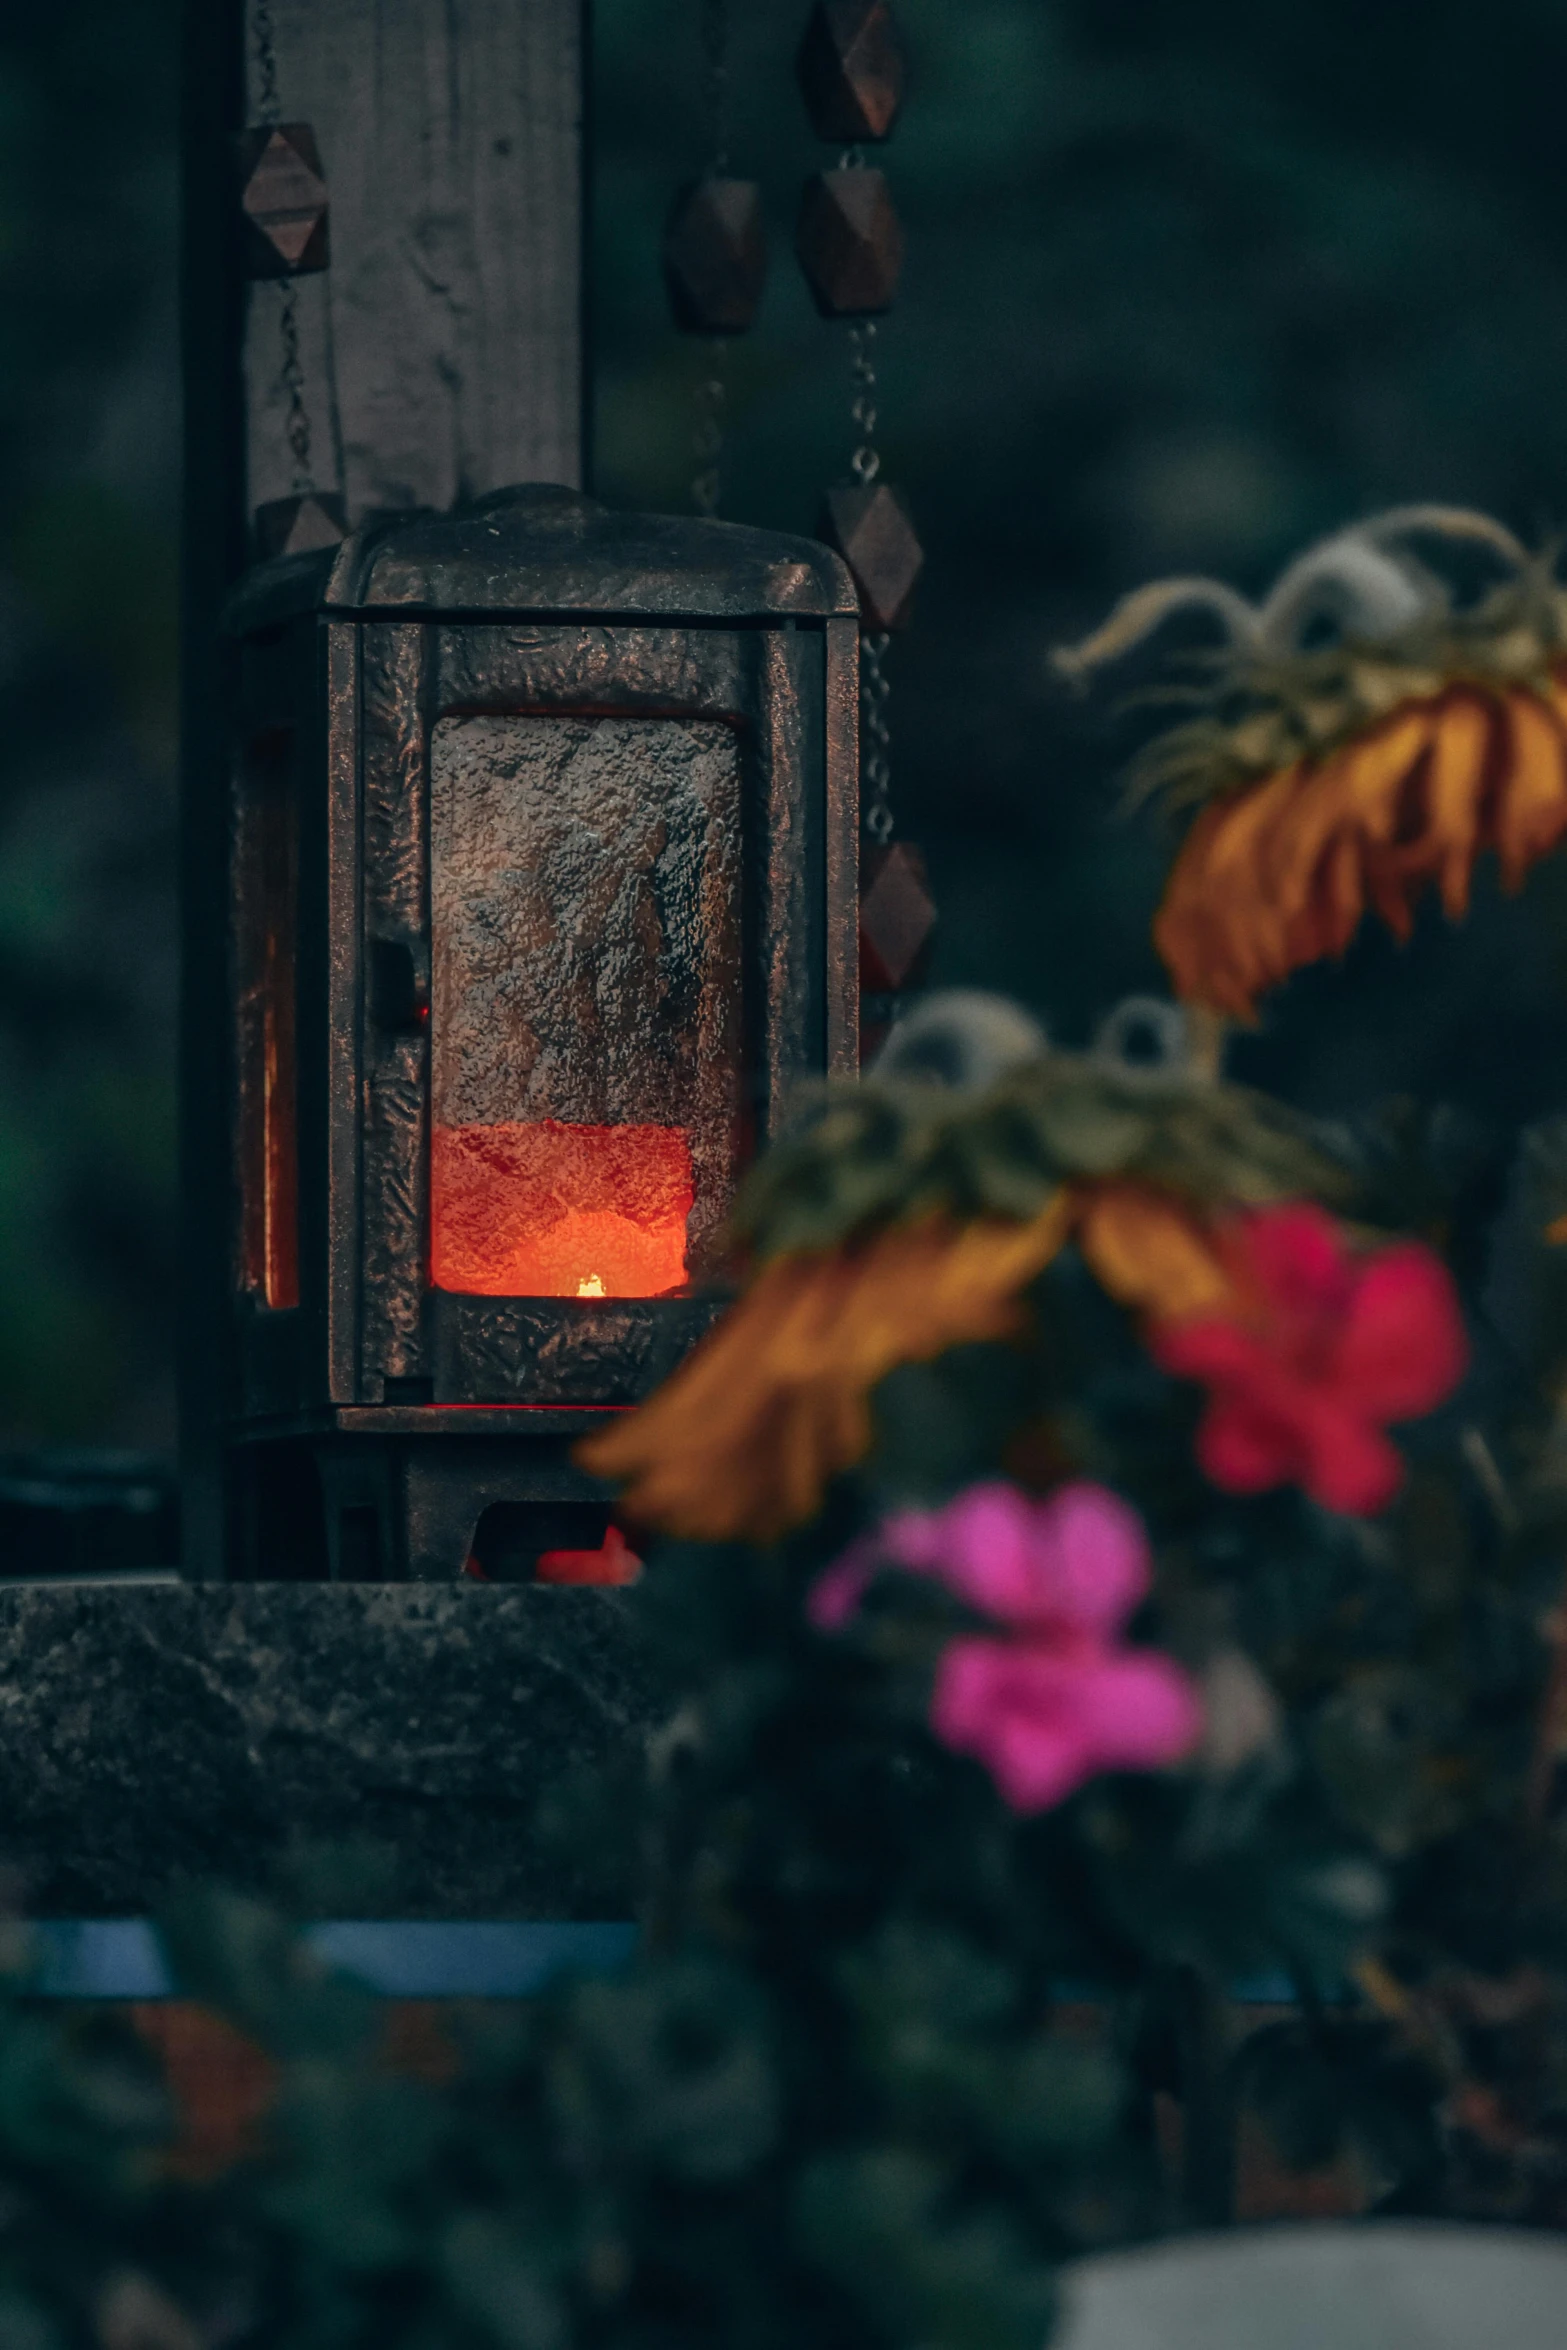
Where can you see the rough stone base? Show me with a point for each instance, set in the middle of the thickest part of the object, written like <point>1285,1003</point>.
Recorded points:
<point>158,1734</point>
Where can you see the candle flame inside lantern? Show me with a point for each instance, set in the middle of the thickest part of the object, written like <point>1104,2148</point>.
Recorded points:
<point>544,1209</point>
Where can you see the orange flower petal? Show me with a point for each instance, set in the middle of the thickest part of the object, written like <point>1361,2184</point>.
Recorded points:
<point>1330,919</point>
<point>1531,814</point>
<point>1150,1252</point>
<point>1455,789</point>
<point>1377,768</point>
<point>744,1438</point>
<point>1261,886</point>
<point>1304,833</point>
<point>1214,929</point>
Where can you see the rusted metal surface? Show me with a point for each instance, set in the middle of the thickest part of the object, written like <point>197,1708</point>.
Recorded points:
<point>545,550</point>
<point>599,669</point>
<point>841,834</point>
<point>559,1351</point>
<point>395,1059</point>
<point>340,1238</point>
<point>789,864</point>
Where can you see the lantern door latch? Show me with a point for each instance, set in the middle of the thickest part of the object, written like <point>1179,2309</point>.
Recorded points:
<point>399,985</point>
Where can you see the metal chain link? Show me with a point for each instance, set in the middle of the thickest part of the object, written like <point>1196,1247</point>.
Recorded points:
<point>875,691</point>
<point>268,110</point>
<point>710,394</point>
<point>707,432</point>
<point>291,372</point>
<point>865,463</point>
<point>876,743</point>
<point>715,51</point>
<point>291,380</point>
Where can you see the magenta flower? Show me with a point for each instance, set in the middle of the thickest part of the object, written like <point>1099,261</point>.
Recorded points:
<point>1323,1349</point>
<point>1059,1701</point>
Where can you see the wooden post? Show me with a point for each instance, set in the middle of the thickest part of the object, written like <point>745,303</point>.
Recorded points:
<point>443,348</point>
<point>442,355</point>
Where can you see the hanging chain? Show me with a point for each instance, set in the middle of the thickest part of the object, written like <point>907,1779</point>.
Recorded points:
<point>875,762</point>
<point>710,395</point>
<point>268,110</point>
<point>875,692</point>
<point>715,52</point>
<point>291,373</point>
<point>865,463</point>
<point>708,403</point>
<point>291,380</point>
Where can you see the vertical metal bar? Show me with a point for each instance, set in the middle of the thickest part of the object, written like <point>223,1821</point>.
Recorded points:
<point>841,818</point>
<point>396,668</point>
<point>342,1009</point>
<point>780,896</point>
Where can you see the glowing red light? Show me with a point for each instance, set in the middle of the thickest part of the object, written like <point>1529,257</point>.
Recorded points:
<point>613,1562</point>
<point>551,1210</point>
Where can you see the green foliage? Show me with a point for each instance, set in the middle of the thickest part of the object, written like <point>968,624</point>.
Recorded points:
<point>875,1153</point>
<point>891,2051</point>
<point>89,445</point>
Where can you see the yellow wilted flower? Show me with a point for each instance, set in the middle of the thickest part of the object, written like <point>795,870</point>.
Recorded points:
<point>1280,873</point>
<point>742,1441</point>
<point>775,1402</point>
<point>1151,1252</point>
<point>1349,772</point>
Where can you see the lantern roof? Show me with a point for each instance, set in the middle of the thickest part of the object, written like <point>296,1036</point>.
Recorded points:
<point>552,553</point>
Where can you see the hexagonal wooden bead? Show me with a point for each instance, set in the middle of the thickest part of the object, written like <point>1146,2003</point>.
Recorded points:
<point>715,256</point>
<point>849,242</point>
<point>283,200</point>
<point>897,917</point>
<point>299,525</point>
<point>871,530</point>
<point>851,70</point>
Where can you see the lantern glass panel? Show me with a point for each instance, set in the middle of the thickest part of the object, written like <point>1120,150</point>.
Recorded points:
<point>267,943</point>
<point>585,877</point>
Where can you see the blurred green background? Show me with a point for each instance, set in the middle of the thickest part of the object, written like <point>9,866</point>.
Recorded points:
<point>89,492</point>
<point>1185,287</point>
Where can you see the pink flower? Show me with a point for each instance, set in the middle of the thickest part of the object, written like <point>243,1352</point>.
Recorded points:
<point>1044,1718</point>
<point>1059,1701</point>
<point>1322,1351</point>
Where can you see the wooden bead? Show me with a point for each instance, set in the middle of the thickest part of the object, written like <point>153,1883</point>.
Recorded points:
<point>283,200</point>
<point>871,530</point>
<point>851,70</point>
<point>897,917</point>
<point>299,525</point>
<point>849,242</point>
<point>715,256</point>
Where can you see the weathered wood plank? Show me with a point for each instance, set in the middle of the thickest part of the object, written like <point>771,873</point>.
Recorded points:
<point>442,350</point>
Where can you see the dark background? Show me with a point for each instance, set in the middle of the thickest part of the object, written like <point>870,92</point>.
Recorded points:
<point>1186,286</point>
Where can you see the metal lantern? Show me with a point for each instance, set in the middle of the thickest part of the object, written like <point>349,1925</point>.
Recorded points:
<point>543,900</point>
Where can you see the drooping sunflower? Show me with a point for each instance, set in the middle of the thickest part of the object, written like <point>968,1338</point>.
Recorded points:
<point>1364,736</point>
<point>909,1219</point>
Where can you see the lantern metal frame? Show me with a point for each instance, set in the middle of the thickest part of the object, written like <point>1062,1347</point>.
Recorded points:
<point>394,1412</point>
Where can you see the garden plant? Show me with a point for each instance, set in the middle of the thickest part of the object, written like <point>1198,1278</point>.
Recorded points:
<point>1109,1568</point>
